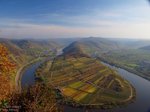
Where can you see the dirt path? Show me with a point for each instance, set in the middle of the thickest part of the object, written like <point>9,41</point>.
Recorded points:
<point>18,78</point>
<point>131,95</point>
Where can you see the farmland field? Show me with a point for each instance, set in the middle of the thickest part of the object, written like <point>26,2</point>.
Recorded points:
<point>86,81</point>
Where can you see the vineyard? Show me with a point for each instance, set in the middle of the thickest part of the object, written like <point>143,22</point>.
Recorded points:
<point>87,82</point>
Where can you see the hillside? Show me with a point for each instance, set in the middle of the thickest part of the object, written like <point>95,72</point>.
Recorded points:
<point>131,43</point>
<point>75,49</point>
<point>93,45</point>
<point>14,55</point>
<point>22,50</point>
<point>145,48</point>
<point>7,70</point>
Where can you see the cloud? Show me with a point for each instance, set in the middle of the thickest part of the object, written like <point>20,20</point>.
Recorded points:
<point>24,30</point>
<point>132,22</point>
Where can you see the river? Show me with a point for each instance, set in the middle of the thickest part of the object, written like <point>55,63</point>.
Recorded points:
<point>28,77</point>
<point>142,86</point>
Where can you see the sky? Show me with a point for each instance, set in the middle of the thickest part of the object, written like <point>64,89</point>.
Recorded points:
<point>74,18</point>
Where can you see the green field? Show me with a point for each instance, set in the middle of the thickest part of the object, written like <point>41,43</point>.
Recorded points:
<point>133,60</point>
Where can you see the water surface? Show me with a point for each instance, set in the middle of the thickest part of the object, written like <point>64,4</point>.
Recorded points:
<point>28,77</point>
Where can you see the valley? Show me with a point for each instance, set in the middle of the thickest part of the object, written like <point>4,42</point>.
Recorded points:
<point>76,74</point>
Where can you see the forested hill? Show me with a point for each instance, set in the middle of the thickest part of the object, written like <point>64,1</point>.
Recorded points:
<point>92,46</point>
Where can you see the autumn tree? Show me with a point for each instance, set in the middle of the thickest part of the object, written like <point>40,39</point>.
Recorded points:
<point>36,98</point>
<point>7,68</point>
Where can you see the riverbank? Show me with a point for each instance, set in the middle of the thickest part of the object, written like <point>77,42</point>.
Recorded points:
<point>125,68</point>
<point>20,72</point>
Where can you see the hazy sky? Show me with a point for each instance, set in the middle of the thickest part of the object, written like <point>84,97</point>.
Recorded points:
<point>74,18</point>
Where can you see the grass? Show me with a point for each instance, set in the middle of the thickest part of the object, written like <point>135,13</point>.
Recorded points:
<point>132,65</point>
<point>76,84</point>
<point>69,91</point>
<point>80,96</point>
<point>89,89</point>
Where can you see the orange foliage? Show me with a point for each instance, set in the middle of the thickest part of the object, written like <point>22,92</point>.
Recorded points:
<point>6,69</point>
<point>37,98</point>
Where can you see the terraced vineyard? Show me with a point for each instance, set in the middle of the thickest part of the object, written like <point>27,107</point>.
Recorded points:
<point>85,81</point>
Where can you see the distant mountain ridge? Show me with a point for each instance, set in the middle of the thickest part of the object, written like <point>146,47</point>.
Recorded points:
<point>90,46</point>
